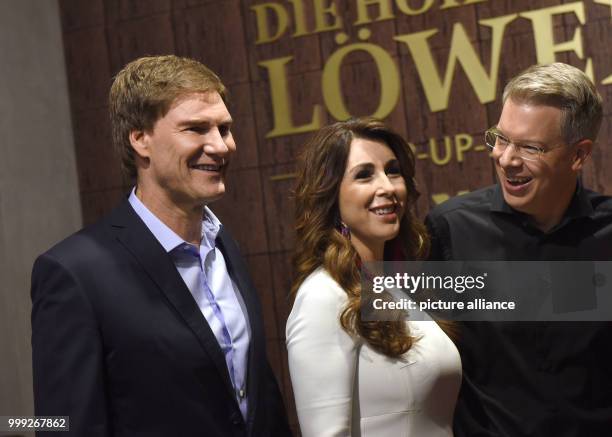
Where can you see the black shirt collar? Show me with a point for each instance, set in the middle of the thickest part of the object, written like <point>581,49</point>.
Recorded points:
<point>498,204</point>
<point>580,206</point>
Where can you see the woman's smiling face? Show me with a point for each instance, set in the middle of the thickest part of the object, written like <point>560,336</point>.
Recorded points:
<point>372,197</point>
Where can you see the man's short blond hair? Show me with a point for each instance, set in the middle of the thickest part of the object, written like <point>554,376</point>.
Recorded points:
<point>144,91</point>
<point>565,87</point>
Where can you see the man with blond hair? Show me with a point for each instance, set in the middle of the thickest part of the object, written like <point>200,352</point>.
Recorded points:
<point>536,379</point>
<point>147,322</point>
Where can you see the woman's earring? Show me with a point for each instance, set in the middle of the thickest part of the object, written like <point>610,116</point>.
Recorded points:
<point>345,230</point>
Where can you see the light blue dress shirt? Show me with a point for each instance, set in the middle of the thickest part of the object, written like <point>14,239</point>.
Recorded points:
<point>204,271</point>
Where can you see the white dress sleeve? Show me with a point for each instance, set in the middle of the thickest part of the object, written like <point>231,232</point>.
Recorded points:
<point>322,358</point>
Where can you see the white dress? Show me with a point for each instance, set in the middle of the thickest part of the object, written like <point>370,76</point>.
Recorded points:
<point>343,387</point>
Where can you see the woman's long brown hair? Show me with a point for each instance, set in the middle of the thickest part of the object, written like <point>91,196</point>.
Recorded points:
<point>319,241</point>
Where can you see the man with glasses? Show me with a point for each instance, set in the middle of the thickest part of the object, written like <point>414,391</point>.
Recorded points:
<point>534,378</point>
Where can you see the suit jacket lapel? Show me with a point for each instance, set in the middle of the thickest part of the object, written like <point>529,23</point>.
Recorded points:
<point>133,234</point>
<point>239,273</point>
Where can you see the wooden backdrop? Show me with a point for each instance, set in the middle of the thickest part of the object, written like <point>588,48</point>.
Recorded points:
<point>100,36</point>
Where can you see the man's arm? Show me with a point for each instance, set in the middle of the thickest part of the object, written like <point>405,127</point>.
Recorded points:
<point>67,352</point>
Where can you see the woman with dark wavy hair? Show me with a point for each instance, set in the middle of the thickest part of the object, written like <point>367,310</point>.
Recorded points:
<point>353,377</point>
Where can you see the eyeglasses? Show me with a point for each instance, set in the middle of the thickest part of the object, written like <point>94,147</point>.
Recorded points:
<point>497,141</point>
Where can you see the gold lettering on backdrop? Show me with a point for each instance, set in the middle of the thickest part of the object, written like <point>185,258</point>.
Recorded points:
<point>384,11</point>
<point>454,3</point>
<point>281,104</point>
<point>433,150</point>
<point>405,8</point>
<point>262,15</point>
<point>437,91</point>
<point>463,143</point>
<point>283,177</point>
<point>542,22</point>
<point>607,80</point>
<point>322,12</point>
<point>605,2</point>
<point>300,18</point>
<point>273,20</point>
<point>387,73</point>
<point>443,197</point>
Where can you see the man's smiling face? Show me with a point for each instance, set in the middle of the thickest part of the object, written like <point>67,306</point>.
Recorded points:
<point>188,150</point>
<point>534,187</point>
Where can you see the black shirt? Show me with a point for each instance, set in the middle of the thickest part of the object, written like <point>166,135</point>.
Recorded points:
<point>538,378</point>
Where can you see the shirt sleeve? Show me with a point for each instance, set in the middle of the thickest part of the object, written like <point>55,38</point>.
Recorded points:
<point>322,359</point>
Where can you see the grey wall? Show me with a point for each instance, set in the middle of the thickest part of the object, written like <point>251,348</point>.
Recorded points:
<point>39,201</point>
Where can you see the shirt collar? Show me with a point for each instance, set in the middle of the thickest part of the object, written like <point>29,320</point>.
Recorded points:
<point>166,236</point>
<point>579,206</point>
<point>498,204</point>
<point>211,226</point>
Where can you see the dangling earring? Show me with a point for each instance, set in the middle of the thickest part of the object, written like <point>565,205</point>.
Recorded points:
<point>344,230</point>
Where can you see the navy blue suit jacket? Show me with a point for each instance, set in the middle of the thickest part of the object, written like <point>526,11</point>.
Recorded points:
<point>120,345</point>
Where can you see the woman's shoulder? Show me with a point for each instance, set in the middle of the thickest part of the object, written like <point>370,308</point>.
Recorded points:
<point>315,314</point>
<point>320,286</point>
<point>319,297</point>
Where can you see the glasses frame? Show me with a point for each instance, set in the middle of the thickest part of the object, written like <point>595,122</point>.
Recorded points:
<point>520,148</point>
